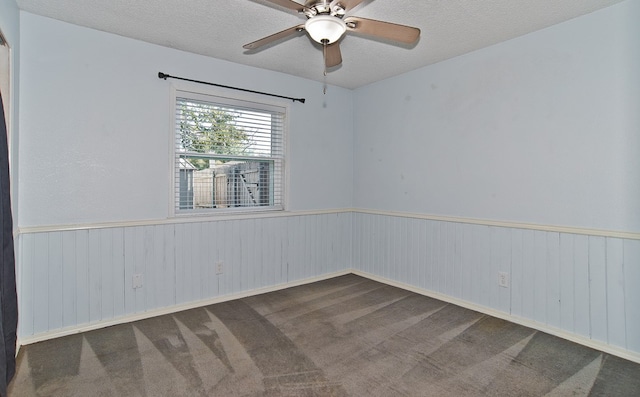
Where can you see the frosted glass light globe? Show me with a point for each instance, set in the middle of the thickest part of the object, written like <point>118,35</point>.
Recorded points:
<point>325,29</point>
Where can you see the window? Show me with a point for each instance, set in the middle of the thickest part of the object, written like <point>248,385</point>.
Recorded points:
<point>229,155</point>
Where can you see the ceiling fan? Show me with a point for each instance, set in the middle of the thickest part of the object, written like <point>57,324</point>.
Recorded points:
<point>326,24</point>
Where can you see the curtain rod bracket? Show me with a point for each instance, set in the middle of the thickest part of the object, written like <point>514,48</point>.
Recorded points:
<point>164,76</point>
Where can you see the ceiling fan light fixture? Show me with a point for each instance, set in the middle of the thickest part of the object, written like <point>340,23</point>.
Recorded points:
<point>325,29</point>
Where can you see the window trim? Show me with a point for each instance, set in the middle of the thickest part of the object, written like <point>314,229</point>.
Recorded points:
<point>179,88</point>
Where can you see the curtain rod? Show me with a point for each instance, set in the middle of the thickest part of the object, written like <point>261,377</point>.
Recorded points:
<point>165,76</point>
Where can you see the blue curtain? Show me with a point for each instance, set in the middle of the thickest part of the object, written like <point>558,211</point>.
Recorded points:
<point>8,296</point>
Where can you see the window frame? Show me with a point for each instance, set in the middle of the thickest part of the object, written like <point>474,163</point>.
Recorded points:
<point>224,96</point>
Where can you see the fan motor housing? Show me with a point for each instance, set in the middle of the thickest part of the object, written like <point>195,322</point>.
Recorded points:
<point>314,7</point>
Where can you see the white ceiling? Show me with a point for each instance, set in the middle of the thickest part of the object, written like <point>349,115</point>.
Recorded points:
<point>220,28</point>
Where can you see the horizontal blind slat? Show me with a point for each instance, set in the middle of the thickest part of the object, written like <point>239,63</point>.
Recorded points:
<point>227,156</point>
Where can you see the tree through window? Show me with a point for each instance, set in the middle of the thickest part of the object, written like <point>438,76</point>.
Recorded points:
<point>228,154</point>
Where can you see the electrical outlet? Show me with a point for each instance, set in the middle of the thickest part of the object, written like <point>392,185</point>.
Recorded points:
<point>503,279</point>
<point>219,267</point>
<point>137,281</point>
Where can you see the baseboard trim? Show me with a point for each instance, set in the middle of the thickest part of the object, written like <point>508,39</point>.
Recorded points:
<point>171,309</point>
<point>631,356</point>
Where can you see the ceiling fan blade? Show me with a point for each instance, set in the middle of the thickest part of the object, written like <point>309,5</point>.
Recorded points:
<point>385,30</point>
<point>346,4</point>
<point>274,37</point>
<point>290,4</point>
<point>332,55</point>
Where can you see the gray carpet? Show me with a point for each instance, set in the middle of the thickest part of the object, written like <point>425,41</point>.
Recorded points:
<point>347,336</point>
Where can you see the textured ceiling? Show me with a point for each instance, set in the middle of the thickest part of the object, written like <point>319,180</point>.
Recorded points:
<point>220,28</point>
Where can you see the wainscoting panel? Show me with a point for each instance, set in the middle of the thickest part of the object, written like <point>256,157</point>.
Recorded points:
<point>574,283</point>
<point>631,269</point>
<point>579,284</point>
<point>74,278</point>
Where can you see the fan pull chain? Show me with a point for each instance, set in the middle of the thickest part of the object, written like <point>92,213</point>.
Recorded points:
<point>324,54</point>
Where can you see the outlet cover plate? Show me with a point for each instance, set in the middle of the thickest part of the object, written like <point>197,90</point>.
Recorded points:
<point>503,279</point>
<point>137,281</point>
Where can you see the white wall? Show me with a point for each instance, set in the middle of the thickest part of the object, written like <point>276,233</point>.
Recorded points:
<point>540,129</point>
<point>9,20</point>
<point>94,148</point>
<point>455,161</point>
<point>95,125</point>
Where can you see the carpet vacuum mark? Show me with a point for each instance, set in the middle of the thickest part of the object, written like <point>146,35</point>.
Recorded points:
<point>346,336</point>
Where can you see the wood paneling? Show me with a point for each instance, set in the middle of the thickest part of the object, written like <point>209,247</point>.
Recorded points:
<point>586,285</point>
<point>78,277</point>
<point>631,267</point>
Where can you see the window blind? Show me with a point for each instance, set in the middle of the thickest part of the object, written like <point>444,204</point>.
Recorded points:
<point>229,155</point>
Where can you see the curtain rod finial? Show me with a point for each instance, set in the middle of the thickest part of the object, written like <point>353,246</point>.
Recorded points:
<point>162,75</point>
